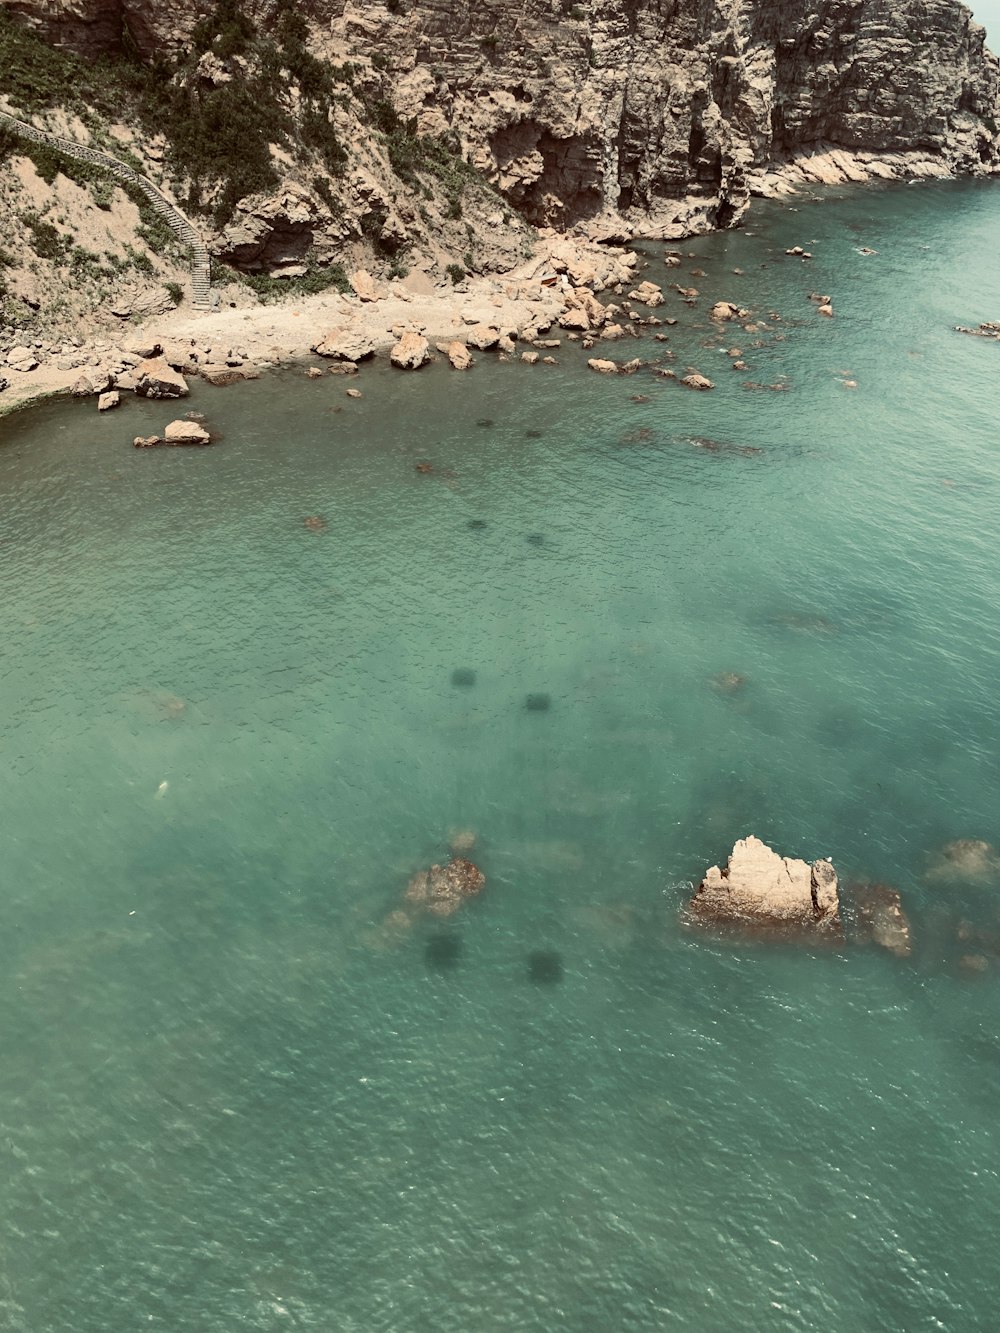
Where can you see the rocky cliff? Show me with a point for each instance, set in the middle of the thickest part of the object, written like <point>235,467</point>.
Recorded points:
<point>667,113</point>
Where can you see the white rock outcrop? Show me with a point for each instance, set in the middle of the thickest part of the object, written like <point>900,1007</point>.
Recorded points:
<point>760,888</point>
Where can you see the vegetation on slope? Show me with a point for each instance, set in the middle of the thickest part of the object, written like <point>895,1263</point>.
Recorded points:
<point>219,131</point>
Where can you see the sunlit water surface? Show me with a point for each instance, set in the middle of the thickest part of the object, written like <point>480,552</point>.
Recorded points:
<point>233,1097</point>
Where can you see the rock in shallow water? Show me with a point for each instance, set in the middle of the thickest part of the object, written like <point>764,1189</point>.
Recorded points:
<point>759,888</point>
<point>443,889</point>
<point>882,919</point>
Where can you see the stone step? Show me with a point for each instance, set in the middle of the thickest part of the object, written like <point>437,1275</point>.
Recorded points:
<point>175,219</point>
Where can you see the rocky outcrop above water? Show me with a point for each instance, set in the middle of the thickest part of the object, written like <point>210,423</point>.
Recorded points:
<point>666,115</point>
<point>760,889</point>
<point>441,890</point>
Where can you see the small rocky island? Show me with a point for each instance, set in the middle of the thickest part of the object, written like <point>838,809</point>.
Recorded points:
<point>759,889</point>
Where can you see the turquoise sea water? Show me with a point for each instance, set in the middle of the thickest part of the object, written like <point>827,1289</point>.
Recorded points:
<point>233,1097</point>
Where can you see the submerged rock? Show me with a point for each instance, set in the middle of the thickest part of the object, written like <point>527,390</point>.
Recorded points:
<point>965,859</point>
<point>759,888</point>
<point>881,918</point>
<point>443,889</point>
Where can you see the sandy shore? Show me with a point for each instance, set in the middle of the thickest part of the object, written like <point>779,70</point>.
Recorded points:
<point>263,335</point>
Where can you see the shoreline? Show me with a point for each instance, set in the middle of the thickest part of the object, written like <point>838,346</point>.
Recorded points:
<point>242,341</point>
<point>247,339</point>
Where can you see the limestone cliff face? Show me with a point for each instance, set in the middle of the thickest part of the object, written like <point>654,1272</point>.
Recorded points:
<point>667,112</point>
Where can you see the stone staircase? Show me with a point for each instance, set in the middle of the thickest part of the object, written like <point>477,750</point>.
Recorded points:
<point>179,224</point>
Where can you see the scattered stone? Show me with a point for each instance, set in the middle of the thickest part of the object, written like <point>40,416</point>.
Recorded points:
<point>107,401</point>
<point>315,523</point>
<point>696,381</point>
<point>739,365</point>
<point>989,329</point>
<point>354,393</point>
<point>602,367</point>
<point>574,319</point>
<point>22,359</point>
<point>549,361</point>
<point>826,309</point>
<point>220,376</point>
<point>154,378</point>
<point>724,310</point>
<point>147,441</point>
<point>314,373</point>
<point>647,294</point>
<point>760,888</point>
<point>530,358</point>
<point>630,367</point>
<point>343,368</point>
<point>482,336</point>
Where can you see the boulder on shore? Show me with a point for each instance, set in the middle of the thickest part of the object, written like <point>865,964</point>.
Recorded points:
<point>155,379</point>
<point>457,353</point>
<point>345,345</point>
<point>759,888</point>
<point>364,285</point>
<point>411,352</point>
<point>108,400</point>
<point>443,889</point>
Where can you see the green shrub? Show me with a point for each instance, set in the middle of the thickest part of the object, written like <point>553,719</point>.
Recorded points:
<point>456,272</point>
<point>270,289</point>
<point>175,291</point>
<point>46,241</point>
